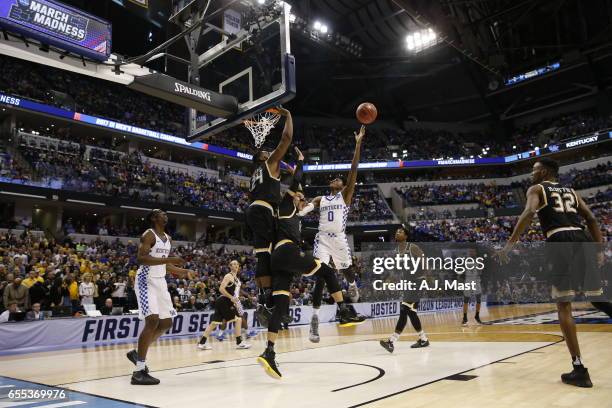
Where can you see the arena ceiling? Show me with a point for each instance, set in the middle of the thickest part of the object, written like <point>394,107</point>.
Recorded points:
<point>460,79</point>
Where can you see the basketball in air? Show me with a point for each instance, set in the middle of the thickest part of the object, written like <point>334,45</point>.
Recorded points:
<point>366,113</point>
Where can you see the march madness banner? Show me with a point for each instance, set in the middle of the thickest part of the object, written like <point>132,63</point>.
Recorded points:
<point>54,23</point>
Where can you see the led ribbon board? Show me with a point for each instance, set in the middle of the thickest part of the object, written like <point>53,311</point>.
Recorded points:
<point>54,23</point>
<point>25,104</point>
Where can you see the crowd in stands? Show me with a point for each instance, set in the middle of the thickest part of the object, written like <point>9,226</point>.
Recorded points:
<point>70,274</point>
<point>496,229</point>
<point>597,176</point>
<point>599,197</point>
<point>338,144</point>
<point>481,229</point>
<point>10,169</point>
<point>556,128</point>
<point>488,196</point>
<point>497,196</point>
<point>89,95</point>
<point>131,176</point>
<point>72,91</point>
<point>42,274</point>
<point>508,291</point>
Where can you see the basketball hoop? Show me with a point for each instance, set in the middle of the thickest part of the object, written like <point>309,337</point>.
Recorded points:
<point>261,124</point>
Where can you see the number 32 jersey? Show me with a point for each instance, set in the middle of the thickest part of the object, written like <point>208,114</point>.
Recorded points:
<point>333,214</point>
<point>560,208</point>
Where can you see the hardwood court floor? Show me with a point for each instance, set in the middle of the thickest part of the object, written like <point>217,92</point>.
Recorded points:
<point>505,365</point>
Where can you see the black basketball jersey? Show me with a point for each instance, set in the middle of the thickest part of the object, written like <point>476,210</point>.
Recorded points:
<point>560,208</point>
<point>230,287</point>
<point>265,187</point>
<point>289,224</point>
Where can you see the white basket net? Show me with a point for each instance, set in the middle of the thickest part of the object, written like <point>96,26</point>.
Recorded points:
<point>261,124</point>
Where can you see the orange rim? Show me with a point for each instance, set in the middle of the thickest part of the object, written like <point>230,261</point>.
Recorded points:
<point>271,110</point>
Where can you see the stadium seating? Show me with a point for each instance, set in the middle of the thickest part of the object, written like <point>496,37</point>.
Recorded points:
<point>68,90</point>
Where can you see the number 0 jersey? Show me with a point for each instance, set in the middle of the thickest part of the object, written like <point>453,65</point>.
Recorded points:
<point>333,214</point>
<point>264,187</point>
<point>560,209</point>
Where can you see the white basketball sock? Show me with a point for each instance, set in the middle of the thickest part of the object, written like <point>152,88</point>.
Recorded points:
<point>315,312</point>
<point>140,365</point>
<point>394,337</point>
<point>422,335</point>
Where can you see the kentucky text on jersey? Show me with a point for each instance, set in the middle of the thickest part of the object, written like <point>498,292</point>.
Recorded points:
<point>332,207</point>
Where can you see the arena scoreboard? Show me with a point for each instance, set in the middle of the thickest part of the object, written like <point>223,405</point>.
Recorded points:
<point>57,24</point>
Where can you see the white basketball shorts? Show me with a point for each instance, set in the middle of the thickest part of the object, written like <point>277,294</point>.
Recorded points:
<point>335,246</point>
<point>153,296</point>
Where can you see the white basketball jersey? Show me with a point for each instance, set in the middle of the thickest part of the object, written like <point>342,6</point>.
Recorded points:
<point>333,213</point>
<point>160,249</point>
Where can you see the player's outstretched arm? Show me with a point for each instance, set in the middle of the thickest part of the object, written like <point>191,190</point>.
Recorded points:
<point>298,171</point>
<point>534,201</point>
<point>181,272</point>
<point>591,221</point>
<point>283,145</point>
<point>146,243</point>
<point>315,203</point>
<point>349,190</point>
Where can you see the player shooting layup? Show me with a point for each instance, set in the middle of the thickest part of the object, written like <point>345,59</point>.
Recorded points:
<point>288,261</point>
<point>261,214</point>
<point>561,211</point>
<point>154,302</point>
<point>330,241</point>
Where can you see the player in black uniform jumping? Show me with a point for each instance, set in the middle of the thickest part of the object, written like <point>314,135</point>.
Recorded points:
<point>408,307</point>
<point>561,211</point>
<point>261,214</point>
<point>289,261</point>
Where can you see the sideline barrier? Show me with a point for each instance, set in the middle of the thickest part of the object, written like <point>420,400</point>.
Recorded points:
<point>66,333</point>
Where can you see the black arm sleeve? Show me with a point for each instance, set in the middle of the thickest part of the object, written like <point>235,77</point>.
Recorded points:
<point>297,175</point>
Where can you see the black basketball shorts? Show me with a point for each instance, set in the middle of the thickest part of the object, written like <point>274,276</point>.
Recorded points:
<point>261,220</point>
<point>225,309</point>
<point>571,259</point>
<point>289,261</point>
